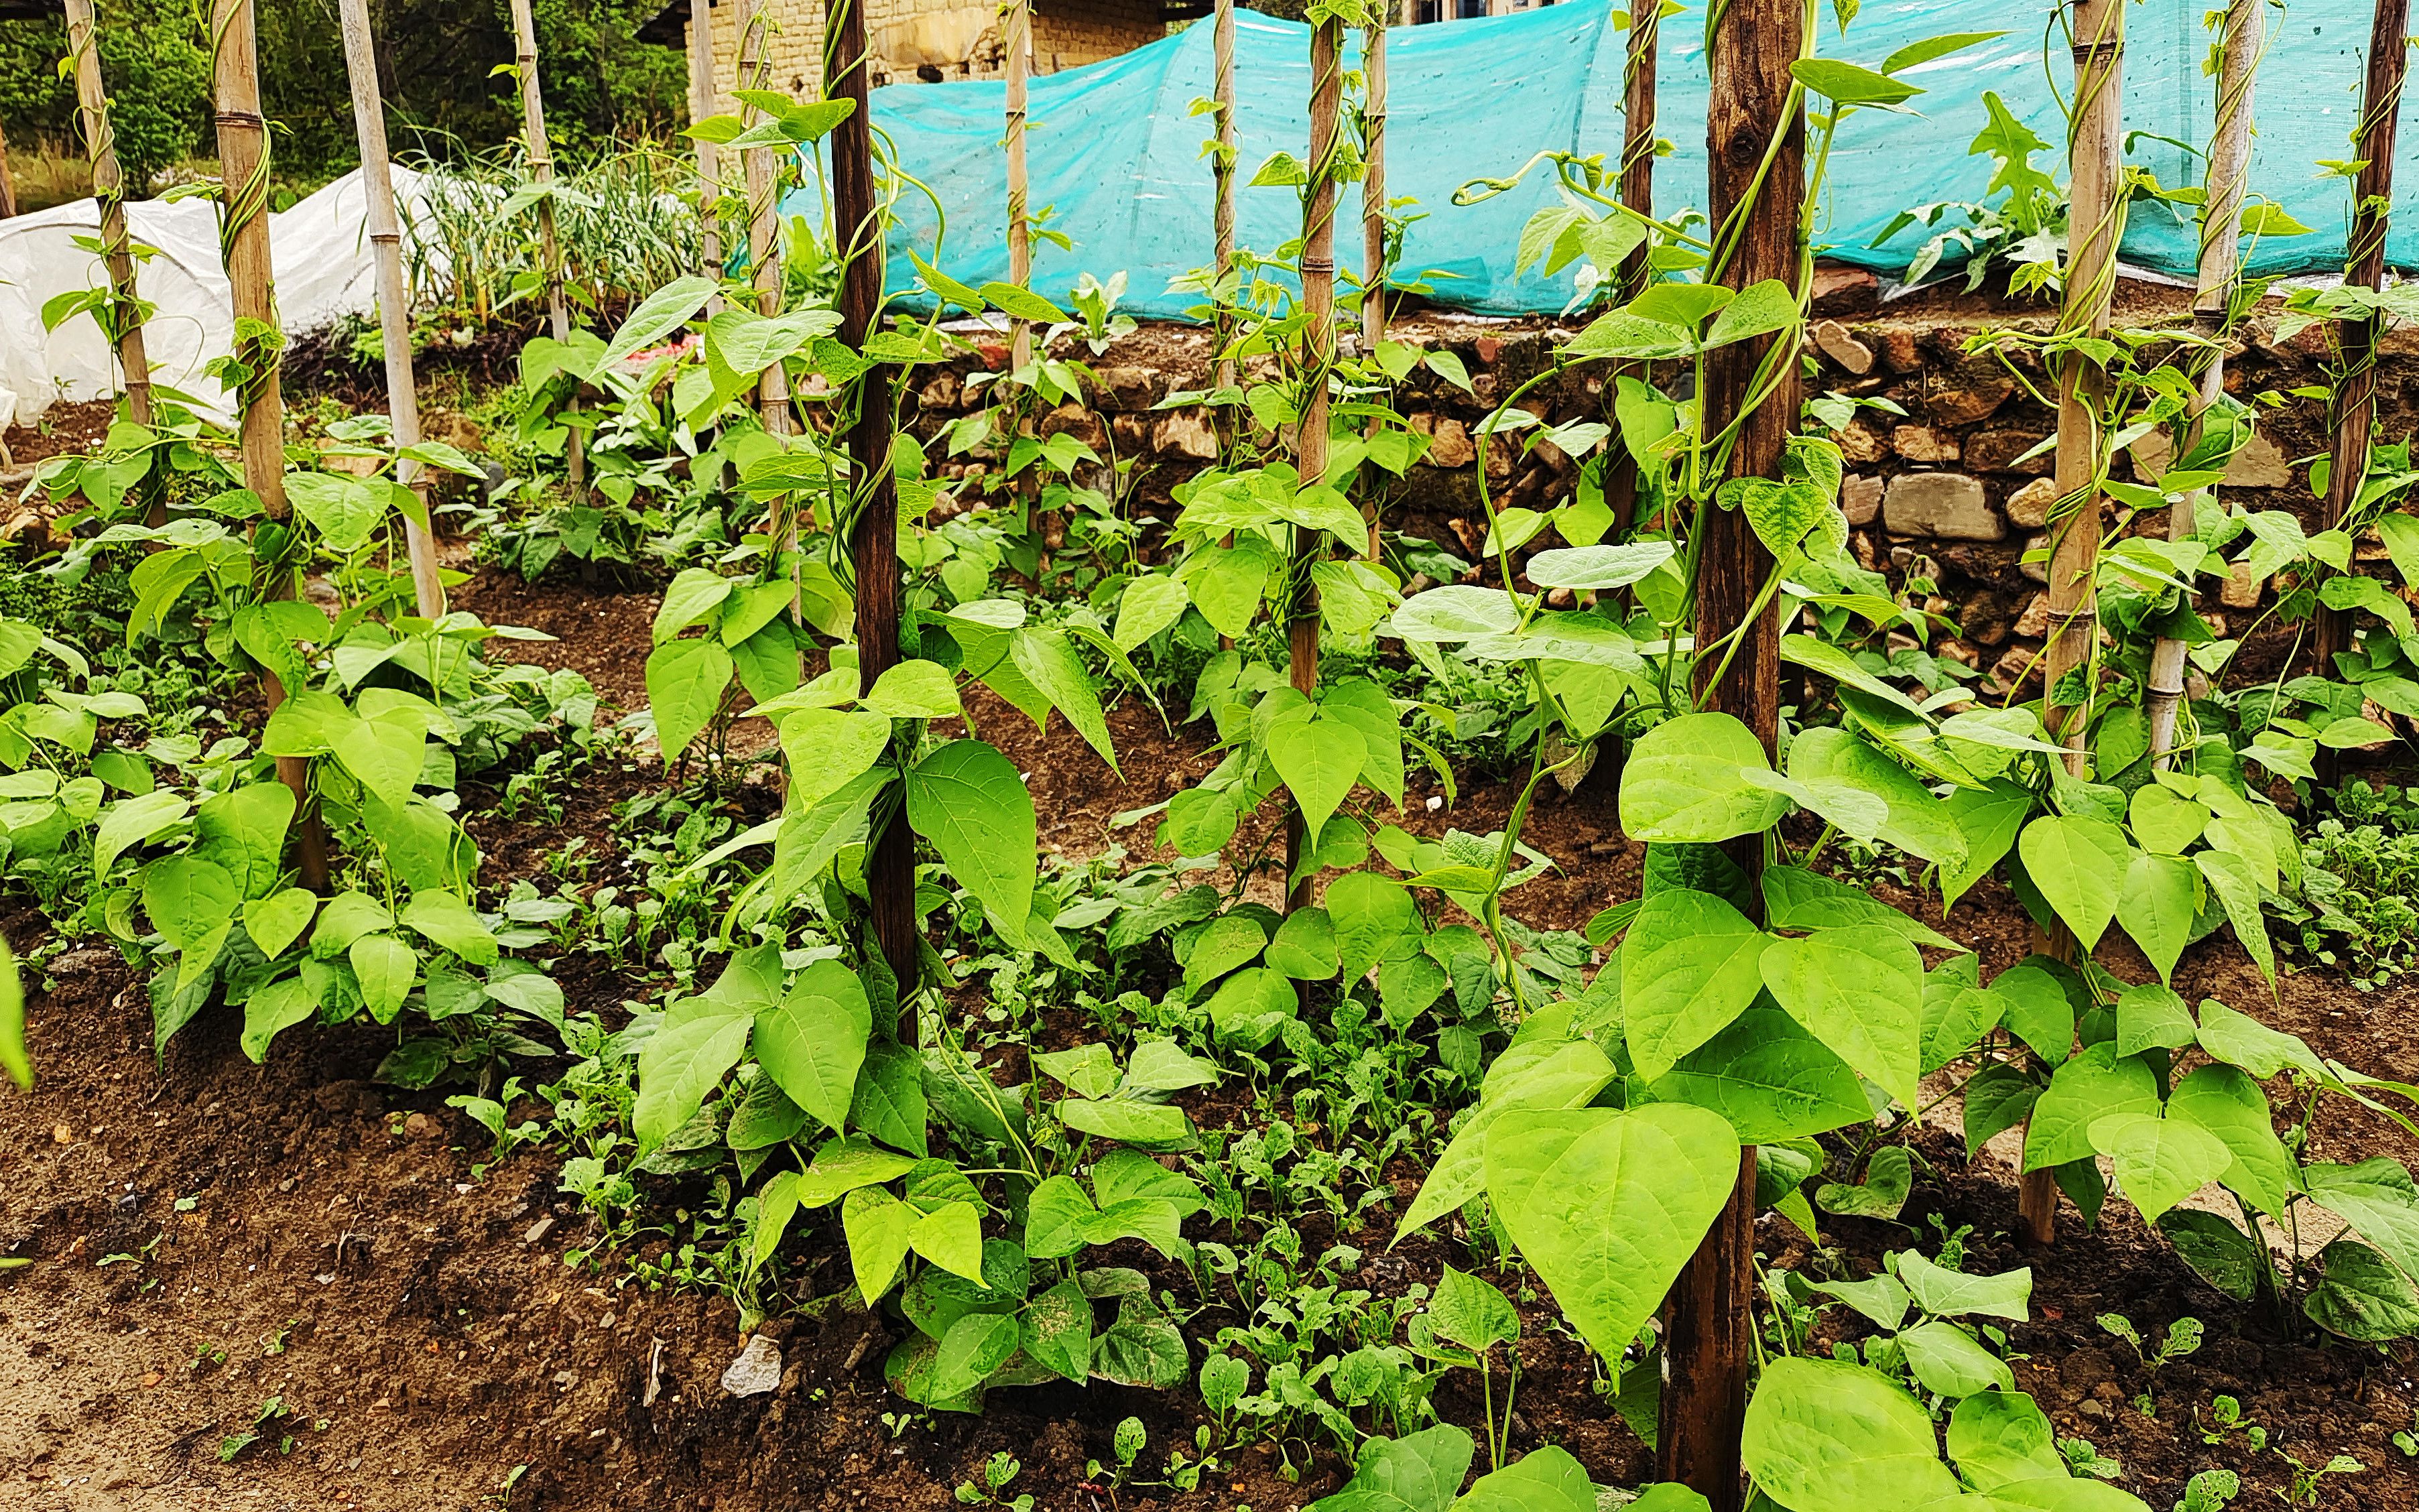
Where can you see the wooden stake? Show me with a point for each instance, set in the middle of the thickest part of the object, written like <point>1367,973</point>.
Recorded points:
<point>541,156</point>
<point>393,304</point>
<point>1373,219</point>
<point>8,183</point>
<point>1318,358</point>
<point>2230,163</point>
<point>1638,76</point>
<point>1019,41</point>
<point>704,96</point>
<point>109,190</point>
<point>763,217</point>
<point>243,239</point>
<point>1755,142</point>
<point>2355,388</point>
<point>1221,165</point>
<point>873,542</point>
<point>2096,224</point>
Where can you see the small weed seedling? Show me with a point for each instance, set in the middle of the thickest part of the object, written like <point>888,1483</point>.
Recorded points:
<point>2225,1419</point>
<point>1128,1446</point>
<point>1001,1469</point>
<point>2210,1491</point>
<point>2183,1337</point>
<point>2304,1492</point>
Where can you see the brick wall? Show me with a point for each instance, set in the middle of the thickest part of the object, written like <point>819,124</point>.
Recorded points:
<point>945,37</point>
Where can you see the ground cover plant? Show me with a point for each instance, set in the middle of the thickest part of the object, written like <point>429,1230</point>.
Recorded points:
<point>1002,980</point>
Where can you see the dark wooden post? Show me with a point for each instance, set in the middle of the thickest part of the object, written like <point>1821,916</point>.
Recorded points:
<point>1755,110</point>
<point>1318,359</point>
<point>243,235</point>
<point>2355,389</point>
<point>873,542</point>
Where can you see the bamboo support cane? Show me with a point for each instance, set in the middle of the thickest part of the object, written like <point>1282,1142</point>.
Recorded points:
<point>873,541</point>
<point>2096,222</point>
<point>2355,388</point>
<point>1019,48</point>
<point>2229,164</point>
<point>393,303</point>
<point>109,190</point>
<point>1222,170</point>
<point>1755,142</point>
<point>705,97</point>
<point>541,162</point>
<point>763,217</point>
<point>243,240</point>
<point>1638,78</point>
<point>1373,218</point>
<point>1319,357</point>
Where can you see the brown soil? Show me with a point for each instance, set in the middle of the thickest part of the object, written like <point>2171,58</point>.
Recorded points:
<point>64,428</point>
<point>207,1235</point>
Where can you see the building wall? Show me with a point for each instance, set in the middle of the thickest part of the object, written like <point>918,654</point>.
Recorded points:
<point>931,40</point>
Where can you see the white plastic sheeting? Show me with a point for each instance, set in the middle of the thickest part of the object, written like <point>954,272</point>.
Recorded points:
<point>320,251</point>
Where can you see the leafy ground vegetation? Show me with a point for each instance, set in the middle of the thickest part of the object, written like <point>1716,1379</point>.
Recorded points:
<point>472,1058</point>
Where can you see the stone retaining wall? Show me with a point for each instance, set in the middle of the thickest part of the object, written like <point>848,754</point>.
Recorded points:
<point>1955,490</point>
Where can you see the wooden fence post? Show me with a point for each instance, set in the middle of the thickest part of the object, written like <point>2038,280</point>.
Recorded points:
<point>704,95</point>
<point>2356,336</point>
<point>243,241</point>
<point>873,542</point>
<point>2221,240</point>
<point>393,303</point>
<point>763,216</point>
<point>1318,359</point>
<point>2096,222</point>
<point>541,156</point>
<point>109,191</point>
<point>1755,142</point>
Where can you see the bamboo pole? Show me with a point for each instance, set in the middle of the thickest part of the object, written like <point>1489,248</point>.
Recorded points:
<point>763,217</point>
<point>1318,358</point>
<point>704,96</point>
<point>109,191</point>
<point>393,304</point>
<point>1222,172</point>
<point>2229,164</point>
<point>1373,218</point>
<point>541,156</point>
<point>2096,224</point>
<point>873,538</point>
<point>243,242</point>
<point>1756,143</point>
<point>1019,42</point>
<point>2356,336</point>
<point>7,183</point>
<point>1637,77</point>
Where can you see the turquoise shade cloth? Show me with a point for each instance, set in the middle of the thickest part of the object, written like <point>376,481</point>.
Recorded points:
<point>1114,148</point>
